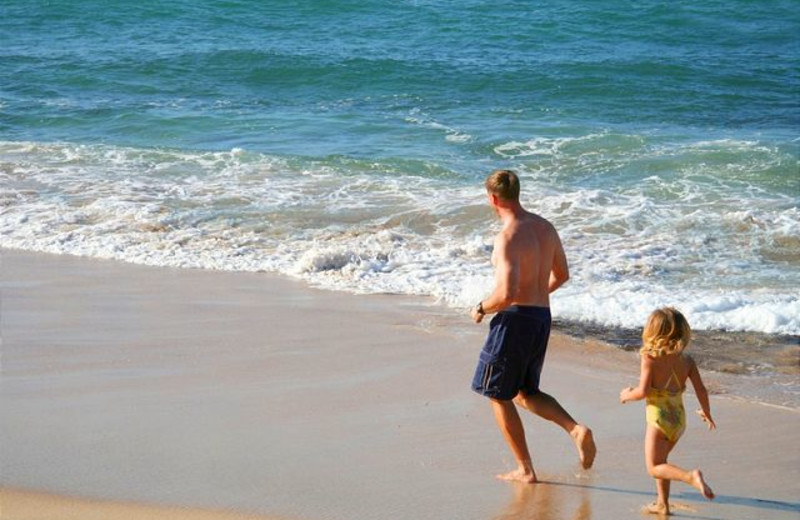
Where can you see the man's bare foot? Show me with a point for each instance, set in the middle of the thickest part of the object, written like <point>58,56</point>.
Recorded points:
<point>700,484</point>
<point>584,441</point>
<point>526,476</point>
<point>656,509</point>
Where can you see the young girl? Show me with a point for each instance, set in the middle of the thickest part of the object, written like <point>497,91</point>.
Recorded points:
<point>665,369</point>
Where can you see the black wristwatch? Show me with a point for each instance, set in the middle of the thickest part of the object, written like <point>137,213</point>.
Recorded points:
<point>479,308</point>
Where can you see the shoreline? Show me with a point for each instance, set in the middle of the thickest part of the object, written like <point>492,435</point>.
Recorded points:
<point>253,393</point>
<point>784,348</point>
<point>754,366</point>
<point>757,367</point>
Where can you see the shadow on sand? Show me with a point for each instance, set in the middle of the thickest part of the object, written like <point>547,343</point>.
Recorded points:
<point>757,503</point>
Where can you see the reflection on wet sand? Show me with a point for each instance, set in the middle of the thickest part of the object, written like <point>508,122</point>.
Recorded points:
<point>545,501</point>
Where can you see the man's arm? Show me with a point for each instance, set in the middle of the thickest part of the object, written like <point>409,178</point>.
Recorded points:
<point>559,273</point>
<point>506,277</point>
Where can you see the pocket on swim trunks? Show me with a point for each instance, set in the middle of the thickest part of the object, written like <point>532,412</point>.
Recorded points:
<point>496,338</point>
<point>492,378</point>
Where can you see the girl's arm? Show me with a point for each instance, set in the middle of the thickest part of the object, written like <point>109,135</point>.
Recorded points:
<point>639,392</point>
<point>701,393</point>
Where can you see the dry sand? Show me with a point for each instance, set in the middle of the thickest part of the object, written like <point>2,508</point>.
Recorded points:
<point>136,392</point>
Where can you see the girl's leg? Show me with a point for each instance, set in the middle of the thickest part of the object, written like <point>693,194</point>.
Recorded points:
<point>657,447</point>
<point>662,487</point>
<point>656,450</point>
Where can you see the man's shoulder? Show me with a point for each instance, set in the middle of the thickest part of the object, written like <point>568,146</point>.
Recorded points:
<point>540,225</point>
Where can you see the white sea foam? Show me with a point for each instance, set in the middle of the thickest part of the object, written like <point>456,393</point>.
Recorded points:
<point>728,258</point>
<point>453,135</point>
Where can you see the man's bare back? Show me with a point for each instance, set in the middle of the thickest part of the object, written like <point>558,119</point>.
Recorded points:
<point>532,248</point>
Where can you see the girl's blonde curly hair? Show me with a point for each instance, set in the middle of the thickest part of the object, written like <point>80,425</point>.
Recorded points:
<point>666,332</point>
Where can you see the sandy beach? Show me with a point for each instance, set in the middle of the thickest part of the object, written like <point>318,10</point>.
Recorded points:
<point>140,392</point>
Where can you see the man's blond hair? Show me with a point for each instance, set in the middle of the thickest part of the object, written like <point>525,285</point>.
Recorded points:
<point>504,184</point>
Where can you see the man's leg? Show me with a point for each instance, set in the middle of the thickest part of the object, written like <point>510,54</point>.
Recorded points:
<point>510,424</point>
<point>546,407</point>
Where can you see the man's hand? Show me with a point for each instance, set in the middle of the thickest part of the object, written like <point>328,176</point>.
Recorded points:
<point>476,314</point>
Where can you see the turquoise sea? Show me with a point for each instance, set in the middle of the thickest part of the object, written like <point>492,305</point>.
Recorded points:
<point>346,143</point>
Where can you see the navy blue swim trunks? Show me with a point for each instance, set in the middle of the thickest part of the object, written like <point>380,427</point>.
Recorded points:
<point>512,357</point>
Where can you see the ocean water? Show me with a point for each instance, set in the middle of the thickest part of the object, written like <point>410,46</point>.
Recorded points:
<point>346,143</point>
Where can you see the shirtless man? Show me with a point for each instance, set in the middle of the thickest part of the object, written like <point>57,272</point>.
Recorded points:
<point>529,264</point>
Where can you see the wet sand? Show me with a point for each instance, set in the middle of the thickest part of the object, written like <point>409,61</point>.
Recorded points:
<point>195,393</point>
<point>28,505</point>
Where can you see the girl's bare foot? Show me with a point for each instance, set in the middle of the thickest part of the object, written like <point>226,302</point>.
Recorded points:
<point>656,509</point>
<point>524,475</point>
<point>584,441</point>
<point>700,484</point>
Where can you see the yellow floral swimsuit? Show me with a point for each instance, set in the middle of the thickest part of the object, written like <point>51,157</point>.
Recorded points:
<point>665,410</point>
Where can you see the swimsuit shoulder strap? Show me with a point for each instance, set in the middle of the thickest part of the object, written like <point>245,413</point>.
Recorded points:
<point>672,376</point>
